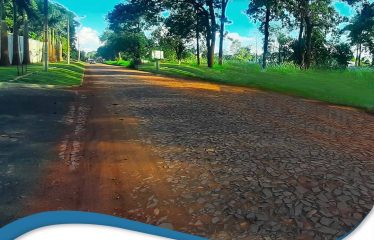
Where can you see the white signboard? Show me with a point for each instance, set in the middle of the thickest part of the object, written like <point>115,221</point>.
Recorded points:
<point>157,55</point>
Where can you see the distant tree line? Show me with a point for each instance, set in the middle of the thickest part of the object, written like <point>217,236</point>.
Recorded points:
<point>190,28</point>
<point>25,18</point>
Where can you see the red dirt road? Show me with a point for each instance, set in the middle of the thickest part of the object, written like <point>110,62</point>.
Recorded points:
<point>103,162</point>
<point>217,161</point>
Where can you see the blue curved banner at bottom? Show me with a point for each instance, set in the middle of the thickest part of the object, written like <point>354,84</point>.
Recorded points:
<point>45,219</point>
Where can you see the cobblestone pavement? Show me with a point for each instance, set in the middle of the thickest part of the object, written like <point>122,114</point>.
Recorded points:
<point>217,161</point>
<point>269,165</point>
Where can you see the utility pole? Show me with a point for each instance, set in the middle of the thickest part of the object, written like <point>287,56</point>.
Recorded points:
<point>46,35</point>
<point>68,30</point>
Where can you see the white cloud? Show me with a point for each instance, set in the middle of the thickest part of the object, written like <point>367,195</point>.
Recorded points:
<point>88,39</point>
<point>245,41</point>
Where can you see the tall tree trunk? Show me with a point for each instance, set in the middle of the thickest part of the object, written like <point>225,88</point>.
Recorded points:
<point>300,57</point>
<point>207,43</point>
<point>26,44</point>
<point>4,53</point>
<point>222,30</point>
<point>197,38</point>
<point>207,38</point>
<point>211,52</point>
<point>57,47</point>
<point>50,54</point>
<point>308,53</point>
<point>198,44</point>
<point>212,33</point>
<point>16,58</point>
<point>46,37</point>
<point>53,45</point>
<point>60,51</point>
<point>266,36</point>
<point>279,54</point>
<point>356,58</point>
<point>68,42</point>
<point>4,61</point>
<point>359,55</point>
<point>179,52</point>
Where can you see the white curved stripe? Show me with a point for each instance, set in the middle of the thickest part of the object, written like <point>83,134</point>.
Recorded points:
<point>365,231</point>
<point>85,231</point>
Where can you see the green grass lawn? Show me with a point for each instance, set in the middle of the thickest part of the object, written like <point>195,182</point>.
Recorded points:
<point>121,63</point>
<point>344,87</point>
<point>60,74</point>
<point>9,73</point>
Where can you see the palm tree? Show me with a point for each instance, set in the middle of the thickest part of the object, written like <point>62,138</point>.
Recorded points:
<point>4,58</point>
<point>27,10</point>
<point>19,6</point>
<point>16,59</point>
<point>26,46</point>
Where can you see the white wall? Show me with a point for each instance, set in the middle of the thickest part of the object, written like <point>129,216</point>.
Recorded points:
<point>36,49</point>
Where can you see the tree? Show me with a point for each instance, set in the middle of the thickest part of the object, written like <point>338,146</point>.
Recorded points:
<point>309,17</point>
<point>211,27</point>
<point>131,19</point>
<point>26,47</point>
<point>26,16</point>
<point>106,52</point>
<point>235,46</point>
<point>180,29</point>
<point>161,40</point>
<point>342,54</point>
<point>284,42</point>
<point>132,46</point>
<point>321,49</point>
<point>194,9</point>
<point>223,20</point>
<point>319,13</point>
<point>15,59</point>
<point>361,30</point>
<point>295,20</point>
<point>264,11</point>
<point>205,11</point>
<point>198,29</point>
<point>243,54</point>
<point>138,15</point>
<point>20,7</point>
<point>4,58</point>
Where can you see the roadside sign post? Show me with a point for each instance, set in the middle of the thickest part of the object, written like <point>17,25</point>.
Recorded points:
<point>157,56</point>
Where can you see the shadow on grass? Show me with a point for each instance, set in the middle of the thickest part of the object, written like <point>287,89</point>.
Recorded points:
<point>341,87</point>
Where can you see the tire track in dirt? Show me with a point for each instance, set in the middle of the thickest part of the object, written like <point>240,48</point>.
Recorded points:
<point>104,168</point>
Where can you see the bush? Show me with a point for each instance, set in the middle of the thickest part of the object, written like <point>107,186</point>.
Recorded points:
<point>121,63</point>
<point>342,54</point>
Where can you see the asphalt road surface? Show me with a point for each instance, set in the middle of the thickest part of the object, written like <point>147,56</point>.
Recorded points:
<point>217,161</point>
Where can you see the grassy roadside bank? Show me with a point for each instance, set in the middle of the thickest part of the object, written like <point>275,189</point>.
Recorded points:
<point>343,87</point>
<point>60,74</point>
<point>121,63</point>
<point>7,74</point>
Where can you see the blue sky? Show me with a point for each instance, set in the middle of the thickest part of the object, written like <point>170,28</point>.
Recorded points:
<point>92,16</point>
